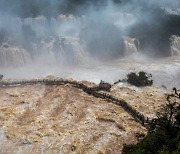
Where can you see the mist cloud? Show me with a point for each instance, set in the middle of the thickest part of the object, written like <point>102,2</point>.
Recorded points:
<point>87,38</point>
<point>100,25</point>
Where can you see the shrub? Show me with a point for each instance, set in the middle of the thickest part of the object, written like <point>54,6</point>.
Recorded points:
<point>139,79</point>
<point>164,131</point>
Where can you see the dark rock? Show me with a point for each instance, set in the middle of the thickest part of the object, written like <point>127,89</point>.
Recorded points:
<point>1,76</point>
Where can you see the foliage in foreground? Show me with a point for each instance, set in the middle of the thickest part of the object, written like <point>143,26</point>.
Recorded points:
<point>164,132</point>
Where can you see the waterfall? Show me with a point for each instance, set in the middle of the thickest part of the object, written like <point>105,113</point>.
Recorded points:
<point>58,39</point>
<point>175,46</point>
<point>131,45</point>
<point>13,56</point>
<point>55,39</point>
<point>62,50</point>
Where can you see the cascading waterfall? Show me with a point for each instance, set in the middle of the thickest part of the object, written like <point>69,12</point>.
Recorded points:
<point>54,39</point>
<point>62,50</point>
<point>130,46</point>
<point>175,46</point>
<point>58,40</point>
<point>13,56</point>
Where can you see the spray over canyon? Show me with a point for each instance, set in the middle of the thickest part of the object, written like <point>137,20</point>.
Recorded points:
<point>88,40</point>
<point>54,52</point>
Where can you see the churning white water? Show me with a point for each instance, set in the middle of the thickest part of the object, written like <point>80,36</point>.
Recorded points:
<point>165,71</point>
<point>58,50</point>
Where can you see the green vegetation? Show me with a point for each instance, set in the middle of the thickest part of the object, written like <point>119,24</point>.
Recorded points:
<point>164,131</point>
<point>139,79</point>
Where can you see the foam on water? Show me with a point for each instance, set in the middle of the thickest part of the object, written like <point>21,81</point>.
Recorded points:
<point>165,71</point>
